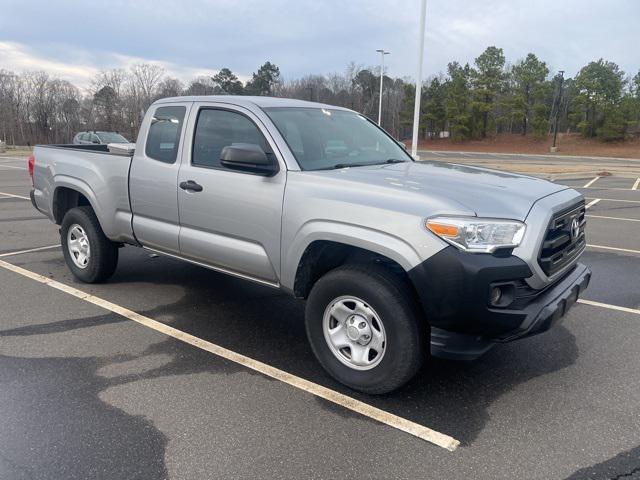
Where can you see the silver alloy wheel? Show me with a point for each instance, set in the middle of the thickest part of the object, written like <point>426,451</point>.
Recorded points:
<point>78,245</point>
<point>354,333</point>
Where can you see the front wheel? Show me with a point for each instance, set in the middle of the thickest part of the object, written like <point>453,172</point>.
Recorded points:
<point>365,328</point>
<point>90,255</point>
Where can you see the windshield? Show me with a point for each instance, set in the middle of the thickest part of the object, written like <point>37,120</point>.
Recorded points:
<point>111,137</point>
<point>326,138</point>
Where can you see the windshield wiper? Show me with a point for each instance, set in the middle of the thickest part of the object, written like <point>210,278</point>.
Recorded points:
<point>362,164</point>
<point>347,165</point>
<point>395,160</point>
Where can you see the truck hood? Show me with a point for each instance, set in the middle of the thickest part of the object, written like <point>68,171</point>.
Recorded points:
<point>486,192</point>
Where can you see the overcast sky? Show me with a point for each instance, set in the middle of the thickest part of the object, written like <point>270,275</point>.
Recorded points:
<point>74,39</point>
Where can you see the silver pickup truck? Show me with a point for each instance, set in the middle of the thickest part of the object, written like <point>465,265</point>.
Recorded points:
<point>397,259</point>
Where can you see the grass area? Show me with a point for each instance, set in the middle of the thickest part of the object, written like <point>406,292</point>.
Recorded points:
<point>16,151</point>
<point>568,144</point>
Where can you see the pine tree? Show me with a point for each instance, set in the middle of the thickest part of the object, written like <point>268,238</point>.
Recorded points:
<point>488,82</point>
<point>458,99</point>
<point>599,88</point>
<point>264,80</point>
<point>227,82</point>
<point>529,76</point>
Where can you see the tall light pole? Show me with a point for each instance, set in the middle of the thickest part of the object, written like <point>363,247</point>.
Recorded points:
<point>382,54</point>
<point>416,106</point>
<point>554,148</point>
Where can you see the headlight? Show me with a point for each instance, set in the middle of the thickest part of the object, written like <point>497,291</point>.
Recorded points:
<point>473,234</point>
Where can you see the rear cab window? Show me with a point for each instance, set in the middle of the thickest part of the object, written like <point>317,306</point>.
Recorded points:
<point>163,138</point>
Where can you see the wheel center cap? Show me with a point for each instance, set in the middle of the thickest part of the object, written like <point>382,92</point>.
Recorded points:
<point>358,329</point>
<point>353,333</point>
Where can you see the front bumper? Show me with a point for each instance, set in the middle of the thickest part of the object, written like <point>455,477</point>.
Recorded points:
<point>454,290</point>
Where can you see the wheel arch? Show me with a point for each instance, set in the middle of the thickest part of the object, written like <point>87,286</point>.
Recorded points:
<point>322,256</point>
<point>70,193</point>
<point>312,234</point>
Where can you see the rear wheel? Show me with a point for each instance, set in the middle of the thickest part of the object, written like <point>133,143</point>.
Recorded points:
<point>89,254</point>
<point>365,328</point>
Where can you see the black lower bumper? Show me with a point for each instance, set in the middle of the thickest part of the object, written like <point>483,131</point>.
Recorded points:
<point>552,304</point>
<point>454,289</point>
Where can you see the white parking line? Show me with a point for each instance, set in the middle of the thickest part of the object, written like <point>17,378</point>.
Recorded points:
<point>591,182</point>
<point>412,428</point>
<point>11,166</point>
<point>613,200</point>
<point>592,203</point>
<point>599,189</point>
<point>615,218</point>
<point>635,185</point>
<point>14,196</point>
<point>8,254</point>
<point>617,249</point>
<point>610,307</point>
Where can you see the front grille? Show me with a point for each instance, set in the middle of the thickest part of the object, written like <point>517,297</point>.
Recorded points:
<point>560,246</point>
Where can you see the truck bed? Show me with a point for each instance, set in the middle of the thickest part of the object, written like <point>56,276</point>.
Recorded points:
<point>101,176</point>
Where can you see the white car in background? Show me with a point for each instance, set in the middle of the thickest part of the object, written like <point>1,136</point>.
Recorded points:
<point>98,138</point>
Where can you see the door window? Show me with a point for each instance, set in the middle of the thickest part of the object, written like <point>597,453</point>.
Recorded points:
<point>216,129</point>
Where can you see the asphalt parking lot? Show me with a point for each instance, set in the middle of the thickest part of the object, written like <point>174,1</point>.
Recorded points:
<point>87,392</point>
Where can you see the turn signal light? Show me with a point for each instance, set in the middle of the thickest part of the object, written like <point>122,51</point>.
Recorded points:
<point>443,229</point>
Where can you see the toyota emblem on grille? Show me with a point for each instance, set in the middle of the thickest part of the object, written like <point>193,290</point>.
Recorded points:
<point>575,229</point>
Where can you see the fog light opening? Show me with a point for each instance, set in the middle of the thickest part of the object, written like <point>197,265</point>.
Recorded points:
<point>495,296</point>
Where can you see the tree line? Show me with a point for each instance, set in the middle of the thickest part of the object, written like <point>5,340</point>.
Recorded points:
<point>491,97</point>
<point>486,98</point>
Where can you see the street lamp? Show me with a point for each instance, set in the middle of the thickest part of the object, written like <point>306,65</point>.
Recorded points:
<point>382,54</point>
<point>554,148</point>
<point>416,106</point>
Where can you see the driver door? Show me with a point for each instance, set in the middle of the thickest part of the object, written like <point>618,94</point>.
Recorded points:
<point>229,220</point>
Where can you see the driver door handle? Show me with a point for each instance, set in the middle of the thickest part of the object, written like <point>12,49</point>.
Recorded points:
<point>190,186</point>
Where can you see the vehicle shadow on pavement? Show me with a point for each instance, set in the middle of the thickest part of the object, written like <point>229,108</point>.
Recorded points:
<point>69,416</point>
<point>262,323</point>
<point>624,465</point>
<point>456,397</point>
<point>55,426</point>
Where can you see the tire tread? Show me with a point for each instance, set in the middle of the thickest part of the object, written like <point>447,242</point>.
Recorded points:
<point>104,258</point>
<point>397,293</point>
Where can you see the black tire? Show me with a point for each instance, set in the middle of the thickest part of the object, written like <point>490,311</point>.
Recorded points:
<point>103,258</point>
<point>406,330</point>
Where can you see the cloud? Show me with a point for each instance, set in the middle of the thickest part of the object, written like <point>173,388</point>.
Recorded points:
<point>82,66</point>
<point>310,36</point>
<point>17,57</point>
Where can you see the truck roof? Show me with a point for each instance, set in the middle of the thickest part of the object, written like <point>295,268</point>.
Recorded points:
<point>245,100</point>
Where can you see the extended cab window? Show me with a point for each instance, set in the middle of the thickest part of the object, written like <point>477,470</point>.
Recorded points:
<point>216,129</point>
<point>164,134</point>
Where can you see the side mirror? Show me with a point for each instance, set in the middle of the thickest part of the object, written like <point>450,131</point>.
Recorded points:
<point>95,140</point>
<point>248,157</point>
<point>402,144</point>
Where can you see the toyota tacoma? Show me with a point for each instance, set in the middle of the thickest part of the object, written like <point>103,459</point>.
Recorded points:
<point>397,259</point>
